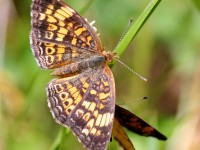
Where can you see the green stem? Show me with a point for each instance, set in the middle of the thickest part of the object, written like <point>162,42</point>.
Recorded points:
<point>60,138</point>
<point>135,27</point>
<point>86,7</point>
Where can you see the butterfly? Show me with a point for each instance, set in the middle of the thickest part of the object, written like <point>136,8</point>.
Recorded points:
<point>82,97</point>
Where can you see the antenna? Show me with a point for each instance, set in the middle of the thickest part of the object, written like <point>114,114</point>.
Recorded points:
<point>141,98</point>
<point>131,69</point>
<point>130,21</point>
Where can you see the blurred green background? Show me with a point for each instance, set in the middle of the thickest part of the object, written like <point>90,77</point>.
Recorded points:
<point>166,51</point>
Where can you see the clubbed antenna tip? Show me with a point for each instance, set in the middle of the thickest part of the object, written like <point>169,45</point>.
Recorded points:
<point>131,101</point>
<point>131,70</point>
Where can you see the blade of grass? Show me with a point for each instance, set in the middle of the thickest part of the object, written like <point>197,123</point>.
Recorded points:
<point>86,7</point>
<point>60,138</point>
<point>135,27</point>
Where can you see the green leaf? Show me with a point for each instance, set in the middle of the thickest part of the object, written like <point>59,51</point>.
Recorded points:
<point>135,27</point>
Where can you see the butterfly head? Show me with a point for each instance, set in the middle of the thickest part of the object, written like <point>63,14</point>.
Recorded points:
<point>109,56</point>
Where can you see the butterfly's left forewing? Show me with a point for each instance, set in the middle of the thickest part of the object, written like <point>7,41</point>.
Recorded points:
<point>59,35</point>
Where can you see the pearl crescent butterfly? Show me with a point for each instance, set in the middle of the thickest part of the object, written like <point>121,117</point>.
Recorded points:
<point>82,97</point>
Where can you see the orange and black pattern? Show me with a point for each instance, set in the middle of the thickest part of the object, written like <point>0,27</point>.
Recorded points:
<point>83,96</point>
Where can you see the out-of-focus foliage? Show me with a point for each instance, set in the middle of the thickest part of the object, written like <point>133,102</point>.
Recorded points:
<point>166,51</point>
